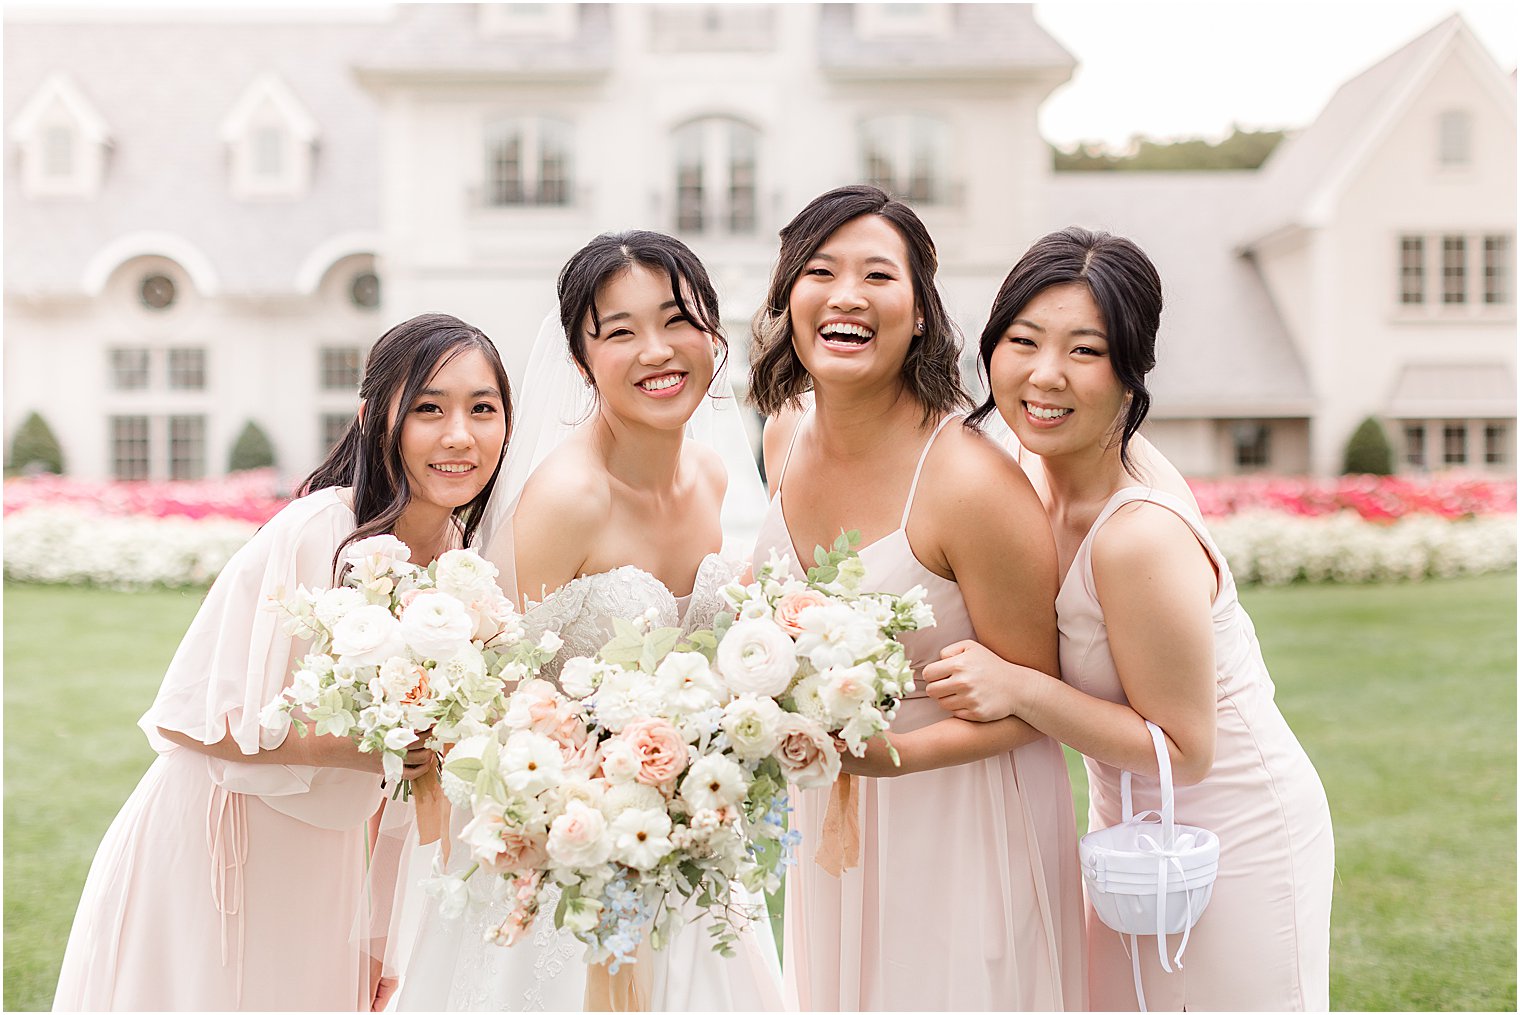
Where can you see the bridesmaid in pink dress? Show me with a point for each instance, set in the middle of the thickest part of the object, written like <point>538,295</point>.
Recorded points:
<point>1151,629</point>
<point>232,878</point>
<point>966,892</point>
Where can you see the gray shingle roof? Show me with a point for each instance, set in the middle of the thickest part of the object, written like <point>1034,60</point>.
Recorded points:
<point>983,38</point>
<point>1222,349</point>
<point>442,40</point>
<point>164,88</point>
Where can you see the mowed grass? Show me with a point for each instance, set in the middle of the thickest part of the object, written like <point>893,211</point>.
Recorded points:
<point>1404,696</point>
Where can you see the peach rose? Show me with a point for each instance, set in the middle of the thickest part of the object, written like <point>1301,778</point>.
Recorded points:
<point>419,692</point>
<point>790,606</point>
<point>558,723</point>
<point>660,748</point>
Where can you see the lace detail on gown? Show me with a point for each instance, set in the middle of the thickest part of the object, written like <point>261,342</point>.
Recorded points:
<point>529,976</point>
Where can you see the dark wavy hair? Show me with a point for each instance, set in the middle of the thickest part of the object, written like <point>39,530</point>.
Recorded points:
<point>368,455</point>
<point>932,368</point>
<point>1125,286</point>
<point>612,254</point>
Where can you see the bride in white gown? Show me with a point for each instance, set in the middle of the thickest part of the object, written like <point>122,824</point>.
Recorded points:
<point>607,509</point>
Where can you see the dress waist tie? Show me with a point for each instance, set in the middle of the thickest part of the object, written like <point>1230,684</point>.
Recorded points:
<point>227,840</point>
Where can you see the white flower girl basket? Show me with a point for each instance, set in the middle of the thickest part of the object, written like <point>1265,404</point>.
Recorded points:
<point>1147,874</point>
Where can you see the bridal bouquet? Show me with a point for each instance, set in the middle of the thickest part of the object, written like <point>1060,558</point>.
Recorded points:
<point>824,649</point>
<point>402,654</point>
<point>642,787</point>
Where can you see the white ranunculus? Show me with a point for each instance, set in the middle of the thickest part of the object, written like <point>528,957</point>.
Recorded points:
<point>714,782</point>
<point>332,605</point>
<point>465,575</point>
<point>579,837</point>
<point>436,625</point>
<point>757,657</point>
<point>641,838</point>
<point>531,763</point>
<point>367,636</point>
<point>577,677</point>
<point>753,725</point>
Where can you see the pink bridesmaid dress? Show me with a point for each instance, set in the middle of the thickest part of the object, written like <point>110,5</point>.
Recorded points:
<point>967,895</point>
<point>228,886</point>
<point>1263,943</point>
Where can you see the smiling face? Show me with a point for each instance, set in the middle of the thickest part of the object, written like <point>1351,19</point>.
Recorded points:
<point>453,432</point>
<point>852,308</point>
<point>1051,375</point>
<point>651,365</point>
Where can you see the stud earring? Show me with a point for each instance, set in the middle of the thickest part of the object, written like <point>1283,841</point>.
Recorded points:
<point>918,329</point>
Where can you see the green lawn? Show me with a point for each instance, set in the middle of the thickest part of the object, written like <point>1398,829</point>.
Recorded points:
<point>1404,696</point>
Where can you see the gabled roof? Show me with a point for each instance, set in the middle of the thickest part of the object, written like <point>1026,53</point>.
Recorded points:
<point>984,40</point>
<point>269,88</point>
<point>60,89</point>
<point>1223,350</point>
<point>434,42</point>
<point>165,87</point>
<point>1301,181</point>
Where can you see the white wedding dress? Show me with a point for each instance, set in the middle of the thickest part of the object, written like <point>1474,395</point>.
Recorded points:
<point>452,966</point>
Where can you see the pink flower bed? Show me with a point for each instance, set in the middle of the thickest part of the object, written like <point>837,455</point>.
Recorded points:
<point>252,496</point>
<point>1374,498</point>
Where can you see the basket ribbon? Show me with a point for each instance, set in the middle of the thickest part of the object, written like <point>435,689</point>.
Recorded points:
<point>839,847</point>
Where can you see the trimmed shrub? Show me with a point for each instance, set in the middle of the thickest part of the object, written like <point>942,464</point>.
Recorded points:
<point>252,450</point>
<point>35,449</point>
<point>1368,451</point>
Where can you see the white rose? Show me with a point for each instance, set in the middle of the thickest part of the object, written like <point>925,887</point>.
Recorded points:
<point>845,689</point>
<point>641,839</point>
<point>531,763</point>
<point>579,838</point>
<point>686,682</point>
<point>753,726</point>
<point>334,604</point>
<point>714,782</point>
<point>757,657</point>
<point>436,625</point>
<point>386,547</point>
<point>465,575</point>
<point>368,636</point>
<point>577,677</point>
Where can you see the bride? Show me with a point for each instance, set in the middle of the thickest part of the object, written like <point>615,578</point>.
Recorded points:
<point>607,509</point>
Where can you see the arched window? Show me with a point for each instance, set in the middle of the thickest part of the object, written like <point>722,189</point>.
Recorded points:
<point>528,161</point>
<point>907,155</point>
<point>716,176</point>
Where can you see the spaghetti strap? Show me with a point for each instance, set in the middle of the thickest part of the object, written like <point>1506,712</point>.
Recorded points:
<point>922,458</point>
<point>785,461</point>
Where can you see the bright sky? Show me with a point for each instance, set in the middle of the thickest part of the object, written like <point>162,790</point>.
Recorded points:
<point>1193,69</point>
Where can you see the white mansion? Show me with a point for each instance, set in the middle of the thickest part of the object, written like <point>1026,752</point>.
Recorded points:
<point>208,220</point>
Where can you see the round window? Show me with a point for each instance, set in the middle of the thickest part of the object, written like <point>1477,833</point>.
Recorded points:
<point>366,290</point>
<point>157,292</point>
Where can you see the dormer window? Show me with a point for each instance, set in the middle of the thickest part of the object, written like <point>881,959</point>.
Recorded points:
<point>63,142</point>
<point>271,139</point>
<point>1454,145</point>
<point>885,21</point>
<point>539,21</point>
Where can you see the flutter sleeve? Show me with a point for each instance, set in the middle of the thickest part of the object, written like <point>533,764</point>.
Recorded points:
<point>237,656</point>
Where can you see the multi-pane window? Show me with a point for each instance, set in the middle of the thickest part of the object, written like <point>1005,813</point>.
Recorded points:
<point>1496,269</point>
<point>528,162</point>
<point>1414,445</point>
<point>1454,443</point>
<point>1253,445</point>
<point>716,177</point>
<point>187,447</point>
<point>129,369</point>
<point>1411,269</point>
<point>1496,444</point>
<point>334,424</point>
<point>187,369</point>
<point>906,154</point>
<point>341,366</point>
<point>1454,147</point>
<point>129,447</point>
<point>1453,269</point>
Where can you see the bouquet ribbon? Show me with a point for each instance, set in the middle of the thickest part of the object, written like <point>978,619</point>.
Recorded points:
<point>628,989</point>
<point>839,848</point>
<point>432,811</point>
